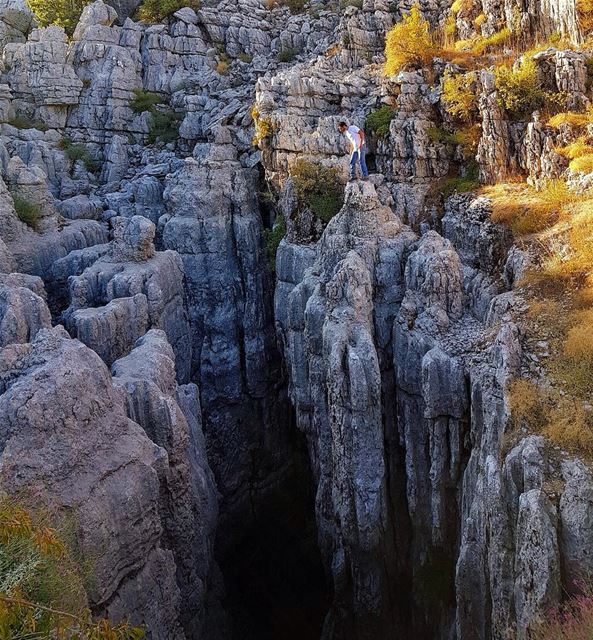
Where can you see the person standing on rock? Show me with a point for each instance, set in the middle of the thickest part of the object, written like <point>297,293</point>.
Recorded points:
<point>357,149</point>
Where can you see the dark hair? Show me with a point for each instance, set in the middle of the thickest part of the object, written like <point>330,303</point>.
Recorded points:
<point>342,124</point>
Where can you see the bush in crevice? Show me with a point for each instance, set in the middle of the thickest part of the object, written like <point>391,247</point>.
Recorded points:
<point>520,92</point>
<point>467,181</point>
<point>287,55</point>
<point>27,211</point>
<point>460,96</point>
<point>63,13</point>
<point>144,101</point>
<point>76,151</point>
<point>263,126</point>
<point>378,121</point>
<point>23,122</point>
<point>160,10</point>
<point>273,238</point>
<point>164,126</point>
<point>466,137</point>
<point>409,42</point>
<point>318,188</point>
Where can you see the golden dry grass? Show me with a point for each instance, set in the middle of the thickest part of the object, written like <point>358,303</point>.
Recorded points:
<point>526,210</point>
<point>526,404</point>
<point>580,147</point>
<point>572,118</point>
<point>570,426</point>
<point>582,164</point>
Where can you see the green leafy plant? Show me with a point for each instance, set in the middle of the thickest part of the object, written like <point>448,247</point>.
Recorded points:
<point>378,121</point>
<point>41,587</point>
<point>144,101</point>
<point>27,211</point>
<point>159,10</point>
<point>164,127</point>
<point>245,57</point>
<point>520,92</point>
<point>23,122</point>
<point>287,55</point>
<point>459,95</point>
<point>78,152</point>
<point>468,181</point>
<point>318,188</point>
<point>273,238</point>
<point>63,13</point>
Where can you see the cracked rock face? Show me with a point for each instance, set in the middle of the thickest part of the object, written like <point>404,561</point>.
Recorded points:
<point>60,407</point>
<point>214,226</point>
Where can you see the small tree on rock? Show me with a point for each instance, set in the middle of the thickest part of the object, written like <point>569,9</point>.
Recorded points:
<point>409,42</point>
<point>63,13</point>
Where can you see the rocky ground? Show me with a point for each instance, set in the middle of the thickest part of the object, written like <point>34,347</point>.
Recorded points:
<point>343,414</point>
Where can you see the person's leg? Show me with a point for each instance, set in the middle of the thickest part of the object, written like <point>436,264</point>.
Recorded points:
<point>353,162</point>
<point>363,162</point>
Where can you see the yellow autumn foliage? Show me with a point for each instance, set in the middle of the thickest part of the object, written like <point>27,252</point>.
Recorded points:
<point>409,43</point>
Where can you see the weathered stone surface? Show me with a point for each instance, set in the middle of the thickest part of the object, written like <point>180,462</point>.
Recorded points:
<point>23,312</point>
<point>171,417</point>
<point>139,286</point>
<point>59,411</point>
<point>399,348</point>
<point>213,223</point>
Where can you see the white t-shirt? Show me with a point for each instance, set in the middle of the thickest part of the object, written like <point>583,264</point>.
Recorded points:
<point>353,134</point>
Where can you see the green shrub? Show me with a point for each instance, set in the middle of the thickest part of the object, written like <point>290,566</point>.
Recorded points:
<point>63,13</point>
<point>27,212</point>
<point>159,10</point>
<point>519,90</point>
<point>41,587</point>
<point>23,122</point>
<point>318,188</point>
<point>144,101</point>
<point>468,181</point>
<point>164,127</point>
<point>78,152</point>
<point>378,121</point>
<point>245,57</point>
<point>272,238</point>
<point>287,55</point>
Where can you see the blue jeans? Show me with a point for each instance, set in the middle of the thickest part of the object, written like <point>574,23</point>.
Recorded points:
<point>355,159</point>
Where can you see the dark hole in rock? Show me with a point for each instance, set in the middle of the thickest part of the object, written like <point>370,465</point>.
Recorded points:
<point>274,578</point>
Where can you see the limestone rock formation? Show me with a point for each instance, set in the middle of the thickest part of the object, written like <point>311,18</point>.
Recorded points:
<point>359,376</point>
<point>66,442</point>
<point>213,224</point>
<point>171,416</point>
<point>116,299</point>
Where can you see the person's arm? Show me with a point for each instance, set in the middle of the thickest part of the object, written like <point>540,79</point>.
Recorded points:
<point>362,138</point>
